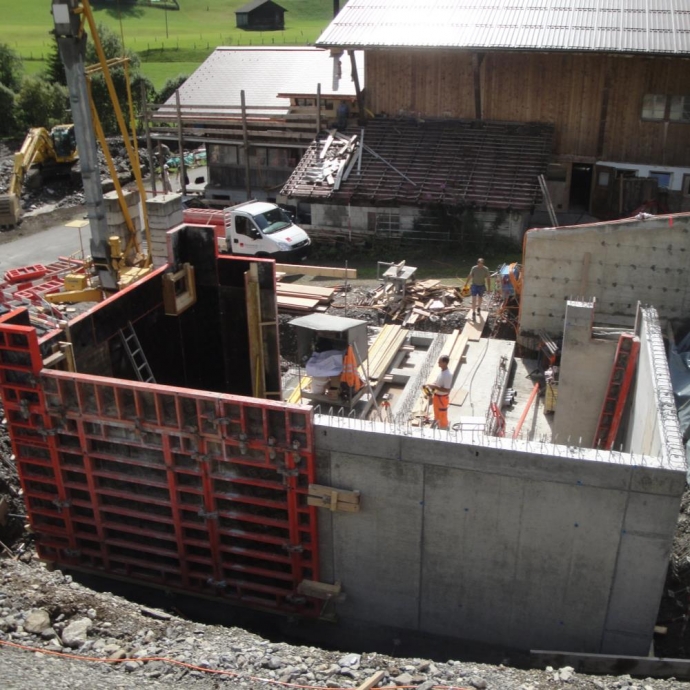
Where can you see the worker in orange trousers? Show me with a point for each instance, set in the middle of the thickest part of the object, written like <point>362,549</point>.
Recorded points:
<point>440,390</point>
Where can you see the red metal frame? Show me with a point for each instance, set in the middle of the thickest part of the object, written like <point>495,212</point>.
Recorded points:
<point>622,374</point>
<point>195,491</point>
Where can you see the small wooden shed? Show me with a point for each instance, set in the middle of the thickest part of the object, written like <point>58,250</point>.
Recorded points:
<point>261,15</point>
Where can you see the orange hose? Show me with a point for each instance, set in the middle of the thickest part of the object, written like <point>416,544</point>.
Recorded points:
<point>532,396</point>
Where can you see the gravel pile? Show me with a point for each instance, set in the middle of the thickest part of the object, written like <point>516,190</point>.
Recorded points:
<point>49,613</point>
<point>66,190</point>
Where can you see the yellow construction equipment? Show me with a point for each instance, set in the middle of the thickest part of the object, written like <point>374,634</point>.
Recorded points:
<point>42,155</point>
<point>116,262</point>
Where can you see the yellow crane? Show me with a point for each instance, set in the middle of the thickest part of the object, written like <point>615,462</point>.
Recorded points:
<point>114,265</point>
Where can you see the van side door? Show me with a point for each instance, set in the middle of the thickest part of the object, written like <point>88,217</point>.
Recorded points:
<point>246,238</point>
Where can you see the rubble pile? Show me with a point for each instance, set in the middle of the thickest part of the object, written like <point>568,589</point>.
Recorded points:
<point>66,190</point>
<point>51,614</point>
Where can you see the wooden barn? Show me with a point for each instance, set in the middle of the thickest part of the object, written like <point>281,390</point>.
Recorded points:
<point>612,78</point>
<point>261,15</point>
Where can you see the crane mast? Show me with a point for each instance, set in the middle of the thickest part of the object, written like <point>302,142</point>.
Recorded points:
<point>71,40</point>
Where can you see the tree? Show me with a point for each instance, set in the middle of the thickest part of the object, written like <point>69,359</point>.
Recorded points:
<point>55,70</point>
<point>171,86</point>
<point>7,102</point>
<point>11,68</point>
<point>112,47</point>
<point>41,103</point>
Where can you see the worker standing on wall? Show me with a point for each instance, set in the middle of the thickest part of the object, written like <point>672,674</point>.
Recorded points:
<point>440,390</point>
<point>481,278</point>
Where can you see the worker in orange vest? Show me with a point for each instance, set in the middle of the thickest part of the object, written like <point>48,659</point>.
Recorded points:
<point>440,392</point>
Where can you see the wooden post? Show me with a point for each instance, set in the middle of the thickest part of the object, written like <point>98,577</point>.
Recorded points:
<point>355,79</point>
<point>603,113</point>
<point>318,108</point>
<point>245,136</point>
<point>180,144</point>
<point>476,64</point>
<point>149,144</point>
<point>256,348</point>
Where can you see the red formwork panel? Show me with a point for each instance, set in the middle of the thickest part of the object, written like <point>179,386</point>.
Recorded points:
<point>200,492</point>
<point>24,273</point>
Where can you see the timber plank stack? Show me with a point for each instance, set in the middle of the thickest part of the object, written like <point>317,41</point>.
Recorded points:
<point>296,298</point>
<point>422,300</point>
<point>382,352</point>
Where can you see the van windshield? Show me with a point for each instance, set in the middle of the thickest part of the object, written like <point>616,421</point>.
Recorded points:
<point>272,221</point>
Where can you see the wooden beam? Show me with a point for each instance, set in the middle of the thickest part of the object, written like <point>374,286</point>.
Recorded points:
<point>245,138</point>
<point>372,680</point>
<point>608,664</point>
<point>358,90</point>
<point>476,65</point>
<point>325,271</point>
<point>475,327</point>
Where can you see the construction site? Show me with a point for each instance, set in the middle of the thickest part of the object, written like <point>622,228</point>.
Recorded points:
<point>188,414</point>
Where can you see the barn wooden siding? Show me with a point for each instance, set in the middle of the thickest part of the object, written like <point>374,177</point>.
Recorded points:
<point>569,90</point>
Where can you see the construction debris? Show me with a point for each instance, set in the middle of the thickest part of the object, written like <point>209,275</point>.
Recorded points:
<point>428,299</point>
<point>335,160</point>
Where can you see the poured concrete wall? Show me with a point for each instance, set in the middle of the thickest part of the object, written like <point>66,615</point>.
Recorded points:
<point>586,365</point>
<point>652,427</point>
<point>524,546</point>
<point>619,263</point>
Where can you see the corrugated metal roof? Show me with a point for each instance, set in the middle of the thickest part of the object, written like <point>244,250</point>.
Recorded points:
<point>263,73</point>
<point>627,26</point>
<point>467,163</point>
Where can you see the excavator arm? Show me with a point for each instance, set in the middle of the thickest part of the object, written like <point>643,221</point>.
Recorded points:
<point>36,149</point>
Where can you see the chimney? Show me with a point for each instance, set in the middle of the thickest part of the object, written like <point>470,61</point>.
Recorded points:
<point>336,7</point>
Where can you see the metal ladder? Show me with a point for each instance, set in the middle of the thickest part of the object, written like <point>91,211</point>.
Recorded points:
<point>136,355</point>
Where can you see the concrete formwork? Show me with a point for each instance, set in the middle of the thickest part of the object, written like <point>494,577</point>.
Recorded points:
<point>522,544</point>
<point>516,543</point>
<point>618,263</point>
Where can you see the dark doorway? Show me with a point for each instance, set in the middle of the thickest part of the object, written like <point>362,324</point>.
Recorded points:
<point>580,187</point>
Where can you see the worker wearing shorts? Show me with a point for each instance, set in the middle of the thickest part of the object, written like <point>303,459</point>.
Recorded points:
<point>480,277</point>
<point>441,392</point>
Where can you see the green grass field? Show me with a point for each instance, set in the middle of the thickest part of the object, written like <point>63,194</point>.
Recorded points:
<point>168,42</point>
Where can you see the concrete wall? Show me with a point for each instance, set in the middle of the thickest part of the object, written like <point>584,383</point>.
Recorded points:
<point>653,427</point>
<point>628,261</point>
<point>586,364</point>
<point>522,545</point>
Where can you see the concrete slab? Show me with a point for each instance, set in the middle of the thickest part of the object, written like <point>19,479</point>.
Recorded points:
<point>538,425</point>
<point>477,375</point>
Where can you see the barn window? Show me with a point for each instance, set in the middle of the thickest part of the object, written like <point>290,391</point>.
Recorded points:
<point>663,178</point>
<point>654,106</point>
<point>680,109</point>
<point>658,106</point>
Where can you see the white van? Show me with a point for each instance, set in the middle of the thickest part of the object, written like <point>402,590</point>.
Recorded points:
<point>255,228</point>
<point>259,228</point>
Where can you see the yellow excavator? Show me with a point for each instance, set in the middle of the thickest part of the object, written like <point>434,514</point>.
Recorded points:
<point>42,154</point>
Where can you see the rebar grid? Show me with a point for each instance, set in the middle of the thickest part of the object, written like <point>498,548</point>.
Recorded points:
<point>672,447</point>
<point>407,402</point>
